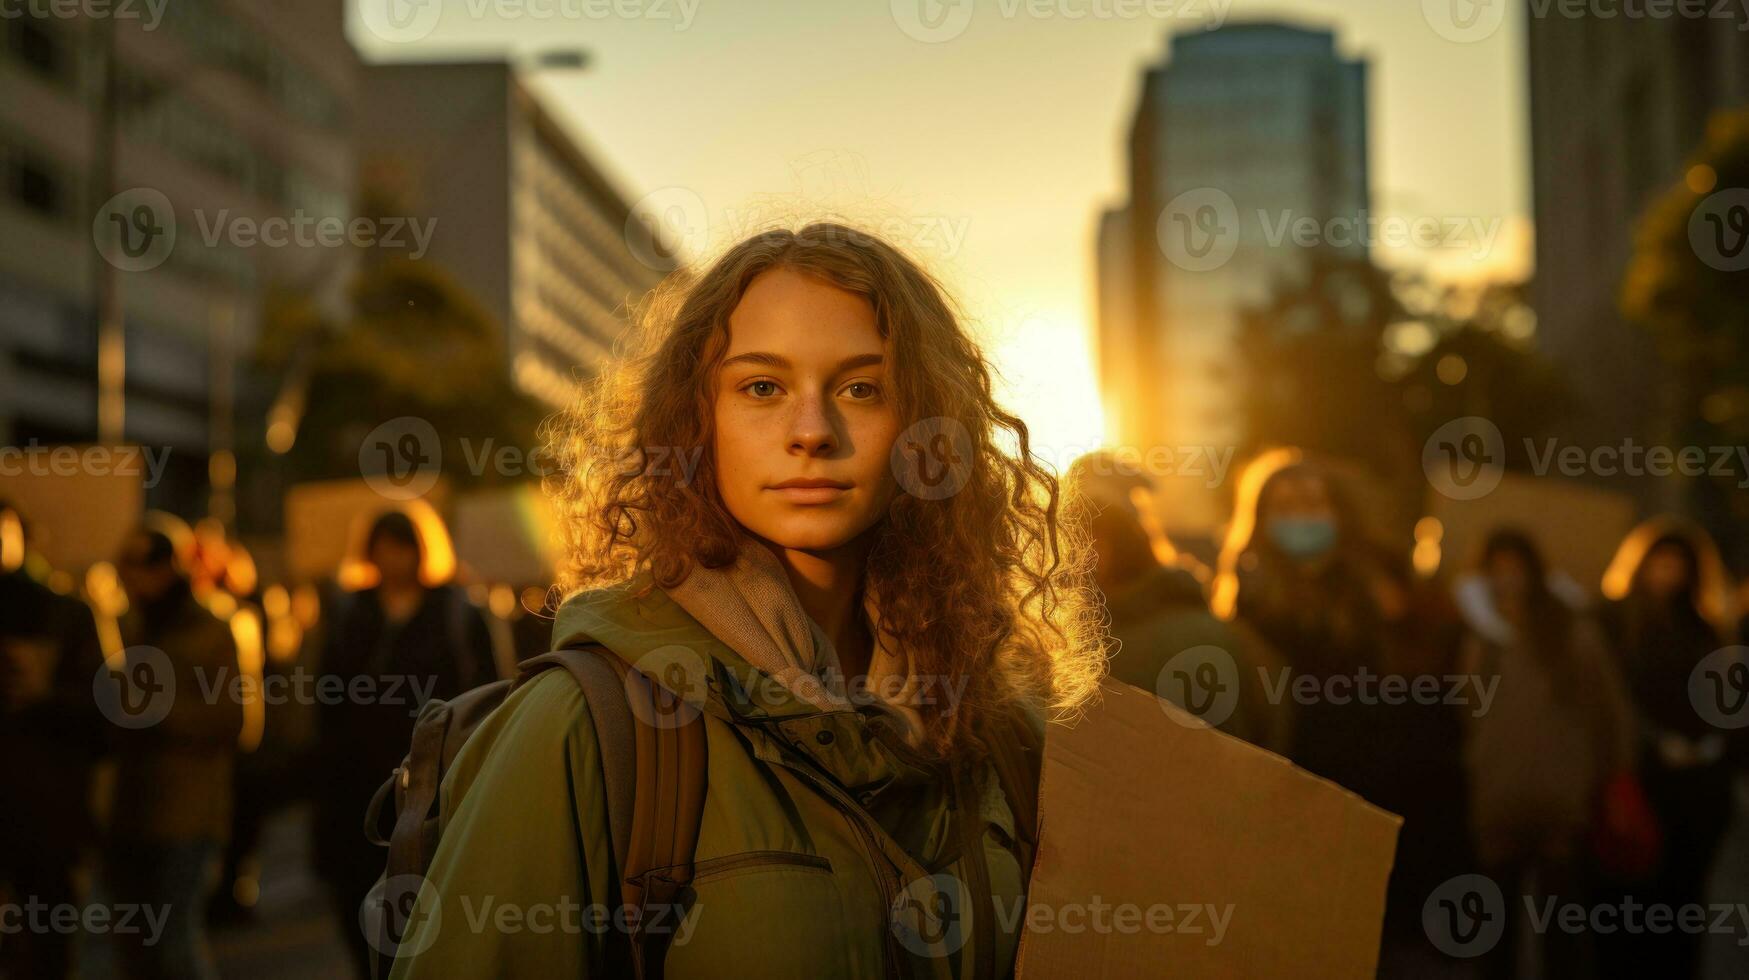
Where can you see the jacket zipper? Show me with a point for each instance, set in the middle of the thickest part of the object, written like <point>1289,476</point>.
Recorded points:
<point>889,886</point>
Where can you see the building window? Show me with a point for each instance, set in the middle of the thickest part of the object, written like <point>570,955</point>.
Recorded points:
<point>30,181</point>
<point>36,46</point>
<point>37,188</point>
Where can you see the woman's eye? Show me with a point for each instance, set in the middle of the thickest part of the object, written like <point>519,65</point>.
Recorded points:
<point>861,390</point>
<point>762,389</point>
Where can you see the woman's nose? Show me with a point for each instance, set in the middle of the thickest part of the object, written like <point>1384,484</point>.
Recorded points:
<point>812,431</point>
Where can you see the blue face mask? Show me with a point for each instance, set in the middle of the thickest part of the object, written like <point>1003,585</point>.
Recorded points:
<point>1302,537</point>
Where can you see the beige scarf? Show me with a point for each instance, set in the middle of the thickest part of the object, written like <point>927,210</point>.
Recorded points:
<point>751,606</point>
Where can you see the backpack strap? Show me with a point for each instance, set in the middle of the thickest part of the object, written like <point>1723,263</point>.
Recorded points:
<point>653,756</point>
<point>1017,752</point>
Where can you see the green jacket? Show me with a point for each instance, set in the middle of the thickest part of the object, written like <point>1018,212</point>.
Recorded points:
<point>817,825</point>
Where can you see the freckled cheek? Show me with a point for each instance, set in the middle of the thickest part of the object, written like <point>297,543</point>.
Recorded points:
<point>874,440</point>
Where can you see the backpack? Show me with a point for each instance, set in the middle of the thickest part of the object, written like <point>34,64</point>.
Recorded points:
<point>655,780</point>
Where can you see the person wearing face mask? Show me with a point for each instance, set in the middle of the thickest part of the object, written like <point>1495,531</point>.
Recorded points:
<point>1344,614</point>
<point>1546,759</point>
<point>1295,571</point>
<point>1669,610</point>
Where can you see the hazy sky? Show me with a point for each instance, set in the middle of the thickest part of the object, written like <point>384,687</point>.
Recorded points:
<point>986,145</point>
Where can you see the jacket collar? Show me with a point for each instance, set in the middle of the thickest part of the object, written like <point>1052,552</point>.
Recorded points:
<point>645,627</point>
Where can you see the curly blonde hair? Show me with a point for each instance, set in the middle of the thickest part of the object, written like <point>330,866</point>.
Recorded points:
<point>984,587</point>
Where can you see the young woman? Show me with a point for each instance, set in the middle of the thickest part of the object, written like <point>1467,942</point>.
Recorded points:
<point>1542,758</point>
<point>403,634</point>
<point>1669,610</point>
<point>801,491</point>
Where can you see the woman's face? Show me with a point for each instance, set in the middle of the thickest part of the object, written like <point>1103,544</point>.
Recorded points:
<point>1666,571</point>
<point>1299,516</point>
<point>804,419</point>
<point>1508,576</point>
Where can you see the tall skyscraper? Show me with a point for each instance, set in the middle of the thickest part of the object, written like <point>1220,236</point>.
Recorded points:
<point>1242,138</point>
<point>1616,107</point>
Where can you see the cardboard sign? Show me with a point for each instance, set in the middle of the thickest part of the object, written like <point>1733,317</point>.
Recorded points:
<point>1168,848</point>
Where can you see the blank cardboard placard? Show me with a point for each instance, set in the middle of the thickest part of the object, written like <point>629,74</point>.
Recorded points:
<point>1144,806</point>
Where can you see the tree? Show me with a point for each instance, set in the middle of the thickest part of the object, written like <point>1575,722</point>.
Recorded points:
<point>1687,283</point>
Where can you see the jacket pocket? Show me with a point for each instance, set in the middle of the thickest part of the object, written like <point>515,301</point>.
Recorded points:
<point>728,864</point>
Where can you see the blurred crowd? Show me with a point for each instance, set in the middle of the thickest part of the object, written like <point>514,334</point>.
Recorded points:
<point>1556,740</point>
<point>156,713</point>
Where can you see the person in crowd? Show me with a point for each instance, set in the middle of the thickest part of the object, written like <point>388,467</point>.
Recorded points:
<point>400,642</point>
<point>868,552</point>
<point>1419,757</point>
<point>1668,611</point>
<point>1297,569</point>
<point>1543,756</point>
<point>51,735</point>
<point>1159,611</point>
<point>172,807</point>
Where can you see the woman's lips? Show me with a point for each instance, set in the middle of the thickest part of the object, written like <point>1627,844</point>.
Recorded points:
<point>810,491</point>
